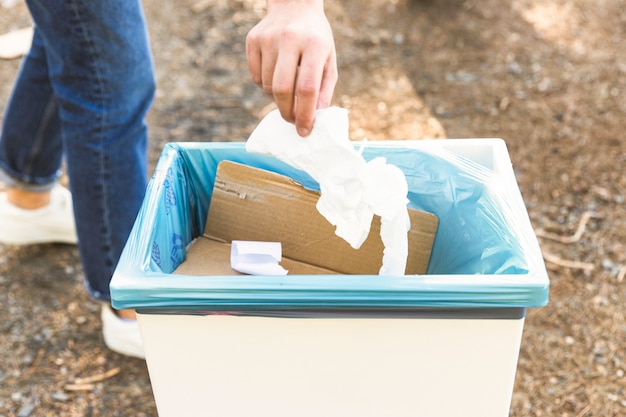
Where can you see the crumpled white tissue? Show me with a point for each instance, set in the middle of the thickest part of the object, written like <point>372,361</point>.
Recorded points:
<point>352,190</point>
<point>256,258</point>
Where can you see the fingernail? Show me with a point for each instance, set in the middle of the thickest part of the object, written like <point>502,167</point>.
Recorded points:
<point>302,131</point>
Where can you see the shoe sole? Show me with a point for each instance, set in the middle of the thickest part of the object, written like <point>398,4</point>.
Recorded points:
<point>37,236</point>
<point>116,337</point>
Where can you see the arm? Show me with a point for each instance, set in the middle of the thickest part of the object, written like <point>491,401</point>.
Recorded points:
<point>291,55</point>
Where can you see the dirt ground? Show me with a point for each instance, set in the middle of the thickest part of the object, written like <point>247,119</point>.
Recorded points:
<point>548,76</point>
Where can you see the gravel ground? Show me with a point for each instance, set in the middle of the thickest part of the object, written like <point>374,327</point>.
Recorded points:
<point>548,76</point>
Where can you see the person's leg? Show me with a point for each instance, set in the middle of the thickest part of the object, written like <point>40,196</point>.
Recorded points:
<point>30,160</point>
<point>30,145</point>
<point>101,86</point>
<point>101,73</point>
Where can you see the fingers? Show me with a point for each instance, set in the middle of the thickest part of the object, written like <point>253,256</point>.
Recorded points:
<point>329,81</point>
<point>291,55</point>
<point>314,88</point>
<point>261,52</point>
<point>306,90</point>
<point>273,66</point>
<point>304,79</point>
<point>284,78</point>
<point>297,90</point>
<point>254,57</point>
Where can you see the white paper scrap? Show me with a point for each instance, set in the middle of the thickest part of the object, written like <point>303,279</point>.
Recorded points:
<point>256,258</point>
<point>352,190</point>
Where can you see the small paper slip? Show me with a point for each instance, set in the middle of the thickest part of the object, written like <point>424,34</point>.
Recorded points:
<point>256,258</point>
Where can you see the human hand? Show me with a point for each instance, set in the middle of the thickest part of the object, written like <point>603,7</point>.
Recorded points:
<point>291,55</point>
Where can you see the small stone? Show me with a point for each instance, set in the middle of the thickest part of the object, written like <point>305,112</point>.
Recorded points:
<point>26,410</point>
<point>60,396</point>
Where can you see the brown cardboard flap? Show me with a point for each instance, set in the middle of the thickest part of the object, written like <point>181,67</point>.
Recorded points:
<point>254,204</point>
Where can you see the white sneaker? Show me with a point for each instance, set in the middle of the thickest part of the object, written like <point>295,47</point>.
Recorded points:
<point>52,223</point>
<point>121,335</point>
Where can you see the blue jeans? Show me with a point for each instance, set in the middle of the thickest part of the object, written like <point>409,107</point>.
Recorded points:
<point>82,93</point>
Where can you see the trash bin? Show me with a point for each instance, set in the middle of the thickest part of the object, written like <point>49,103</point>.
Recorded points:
<point>444,343</point>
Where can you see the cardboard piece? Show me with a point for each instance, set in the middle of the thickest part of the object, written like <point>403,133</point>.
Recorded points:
<point>254,204</point>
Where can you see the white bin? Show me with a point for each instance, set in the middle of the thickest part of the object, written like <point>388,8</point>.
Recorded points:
<point>440,344</point>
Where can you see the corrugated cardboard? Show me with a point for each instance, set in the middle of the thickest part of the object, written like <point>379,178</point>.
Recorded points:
<point>258,205</point>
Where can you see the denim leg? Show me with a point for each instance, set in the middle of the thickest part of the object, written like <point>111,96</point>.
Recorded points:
<point>30,141</point>
<point>101,72</point>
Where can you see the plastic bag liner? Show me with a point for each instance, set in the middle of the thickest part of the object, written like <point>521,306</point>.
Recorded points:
<point>485,252</point>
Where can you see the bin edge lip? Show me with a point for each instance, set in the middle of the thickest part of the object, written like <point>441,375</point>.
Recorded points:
<point>128,288</point>
<point>138,290</point>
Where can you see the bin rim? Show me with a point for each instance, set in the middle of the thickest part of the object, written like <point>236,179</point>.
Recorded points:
<point>135,286</point>
<point>143,289</point>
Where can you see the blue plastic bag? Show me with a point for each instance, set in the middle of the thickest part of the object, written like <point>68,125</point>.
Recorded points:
<point>485,251</point>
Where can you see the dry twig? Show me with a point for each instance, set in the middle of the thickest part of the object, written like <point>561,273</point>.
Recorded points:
<point>584,411</point>
<point>79,387</point>
<point>36,362</point>
<point>582,224</point>
<point>566,263</point>
<point>87,383</point>
<point>98,377</point>
<point>621,274</point>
